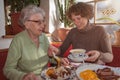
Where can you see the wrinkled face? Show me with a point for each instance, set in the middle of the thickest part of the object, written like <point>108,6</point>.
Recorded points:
<point>35,24</point>
<point>79,21</point>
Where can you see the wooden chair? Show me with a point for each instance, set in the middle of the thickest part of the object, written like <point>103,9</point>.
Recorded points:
<point>59,34</point>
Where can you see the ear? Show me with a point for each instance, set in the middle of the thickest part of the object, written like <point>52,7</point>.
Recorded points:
<point>26,25</point>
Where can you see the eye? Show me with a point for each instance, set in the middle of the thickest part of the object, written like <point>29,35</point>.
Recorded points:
<point>78,18</point>
<point>39,22</point>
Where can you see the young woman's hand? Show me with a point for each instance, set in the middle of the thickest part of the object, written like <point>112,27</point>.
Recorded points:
<point>93,55</point>
<point>65,61</point>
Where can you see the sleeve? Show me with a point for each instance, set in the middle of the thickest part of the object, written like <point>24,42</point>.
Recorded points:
<point>10,68</point>
<point>66,44</point>
<point>105,46</point>
<point>51,59</point>
<point>44,42</point>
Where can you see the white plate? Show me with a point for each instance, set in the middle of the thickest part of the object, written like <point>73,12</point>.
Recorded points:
<point>77,59</point>
<point>67,77</point>
<point>95,67</point>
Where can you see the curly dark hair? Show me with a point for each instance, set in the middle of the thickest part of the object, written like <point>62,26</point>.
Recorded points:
<point>81,8</point>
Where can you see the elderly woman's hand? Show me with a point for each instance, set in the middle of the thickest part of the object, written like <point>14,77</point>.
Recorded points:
<point>30,76</point>
<point>52,49</point>
<point>93,55</point>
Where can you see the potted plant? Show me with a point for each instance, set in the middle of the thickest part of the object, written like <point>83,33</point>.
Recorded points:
<point>60,33</point>
<point>15,8</point>
<point>63,7</point>
<point>17,5</point>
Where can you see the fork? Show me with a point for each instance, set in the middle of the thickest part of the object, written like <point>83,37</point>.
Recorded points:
<point>57,59</point>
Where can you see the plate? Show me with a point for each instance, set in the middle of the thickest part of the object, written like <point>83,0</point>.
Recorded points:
<point>60,71</point>
<point>44,75</point>
<point>77,59</point>
<point>95,67</point>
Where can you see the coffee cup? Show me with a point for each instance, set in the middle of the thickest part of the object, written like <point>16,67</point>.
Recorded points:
<point>77,52</point>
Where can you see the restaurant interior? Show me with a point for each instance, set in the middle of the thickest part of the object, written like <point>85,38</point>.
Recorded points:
<point>106,14</point>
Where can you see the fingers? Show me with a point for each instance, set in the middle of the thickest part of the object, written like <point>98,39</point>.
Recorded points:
<point>91,59</point>
<point>30,76</point>
<point>93,55</point>
<point>52,49</point>
<point>65,61</point>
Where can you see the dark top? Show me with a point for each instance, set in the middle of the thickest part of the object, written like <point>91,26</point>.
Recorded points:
<point>90,38</point>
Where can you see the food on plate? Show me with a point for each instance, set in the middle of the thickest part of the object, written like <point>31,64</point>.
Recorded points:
<point>51,73</point>
<point>57,73</point>
<point>88,75</point>
<point>102,72</point>
<point>63,72</point>
<point>107,74</point>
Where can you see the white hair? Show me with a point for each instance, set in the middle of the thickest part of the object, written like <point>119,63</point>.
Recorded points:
<point>29,11</point>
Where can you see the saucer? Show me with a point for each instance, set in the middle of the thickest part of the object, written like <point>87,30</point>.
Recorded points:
<point>77,59</point>
<point>75,64</point>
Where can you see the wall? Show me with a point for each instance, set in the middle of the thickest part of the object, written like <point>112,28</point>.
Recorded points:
<point>2,18</point>
<point>52,16</point>
<point>48,6</point>
<point>45,5</point>
<point>54,21</point>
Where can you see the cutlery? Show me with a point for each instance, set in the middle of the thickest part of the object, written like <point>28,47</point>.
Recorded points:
<point>57,59</point>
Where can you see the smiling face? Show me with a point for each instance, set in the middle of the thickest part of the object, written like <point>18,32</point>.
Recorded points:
<point>79,21</point>
<point>35,24</point>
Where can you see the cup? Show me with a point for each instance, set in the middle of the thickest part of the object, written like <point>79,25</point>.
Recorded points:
<point>77,52</point>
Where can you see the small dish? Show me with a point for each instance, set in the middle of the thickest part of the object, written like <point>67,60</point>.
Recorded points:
<point>74,64</point>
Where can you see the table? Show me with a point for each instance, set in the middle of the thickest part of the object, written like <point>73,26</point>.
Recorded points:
<point>90,66</point>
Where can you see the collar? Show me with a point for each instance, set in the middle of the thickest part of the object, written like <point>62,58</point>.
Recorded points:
<point>88,27</point>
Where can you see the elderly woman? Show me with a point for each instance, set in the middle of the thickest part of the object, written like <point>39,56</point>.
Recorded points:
<point>87,36</point>
<point>28,52</point>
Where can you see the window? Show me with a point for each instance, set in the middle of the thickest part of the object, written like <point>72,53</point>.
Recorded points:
<point>104,9</point>
<point>107,14</point>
